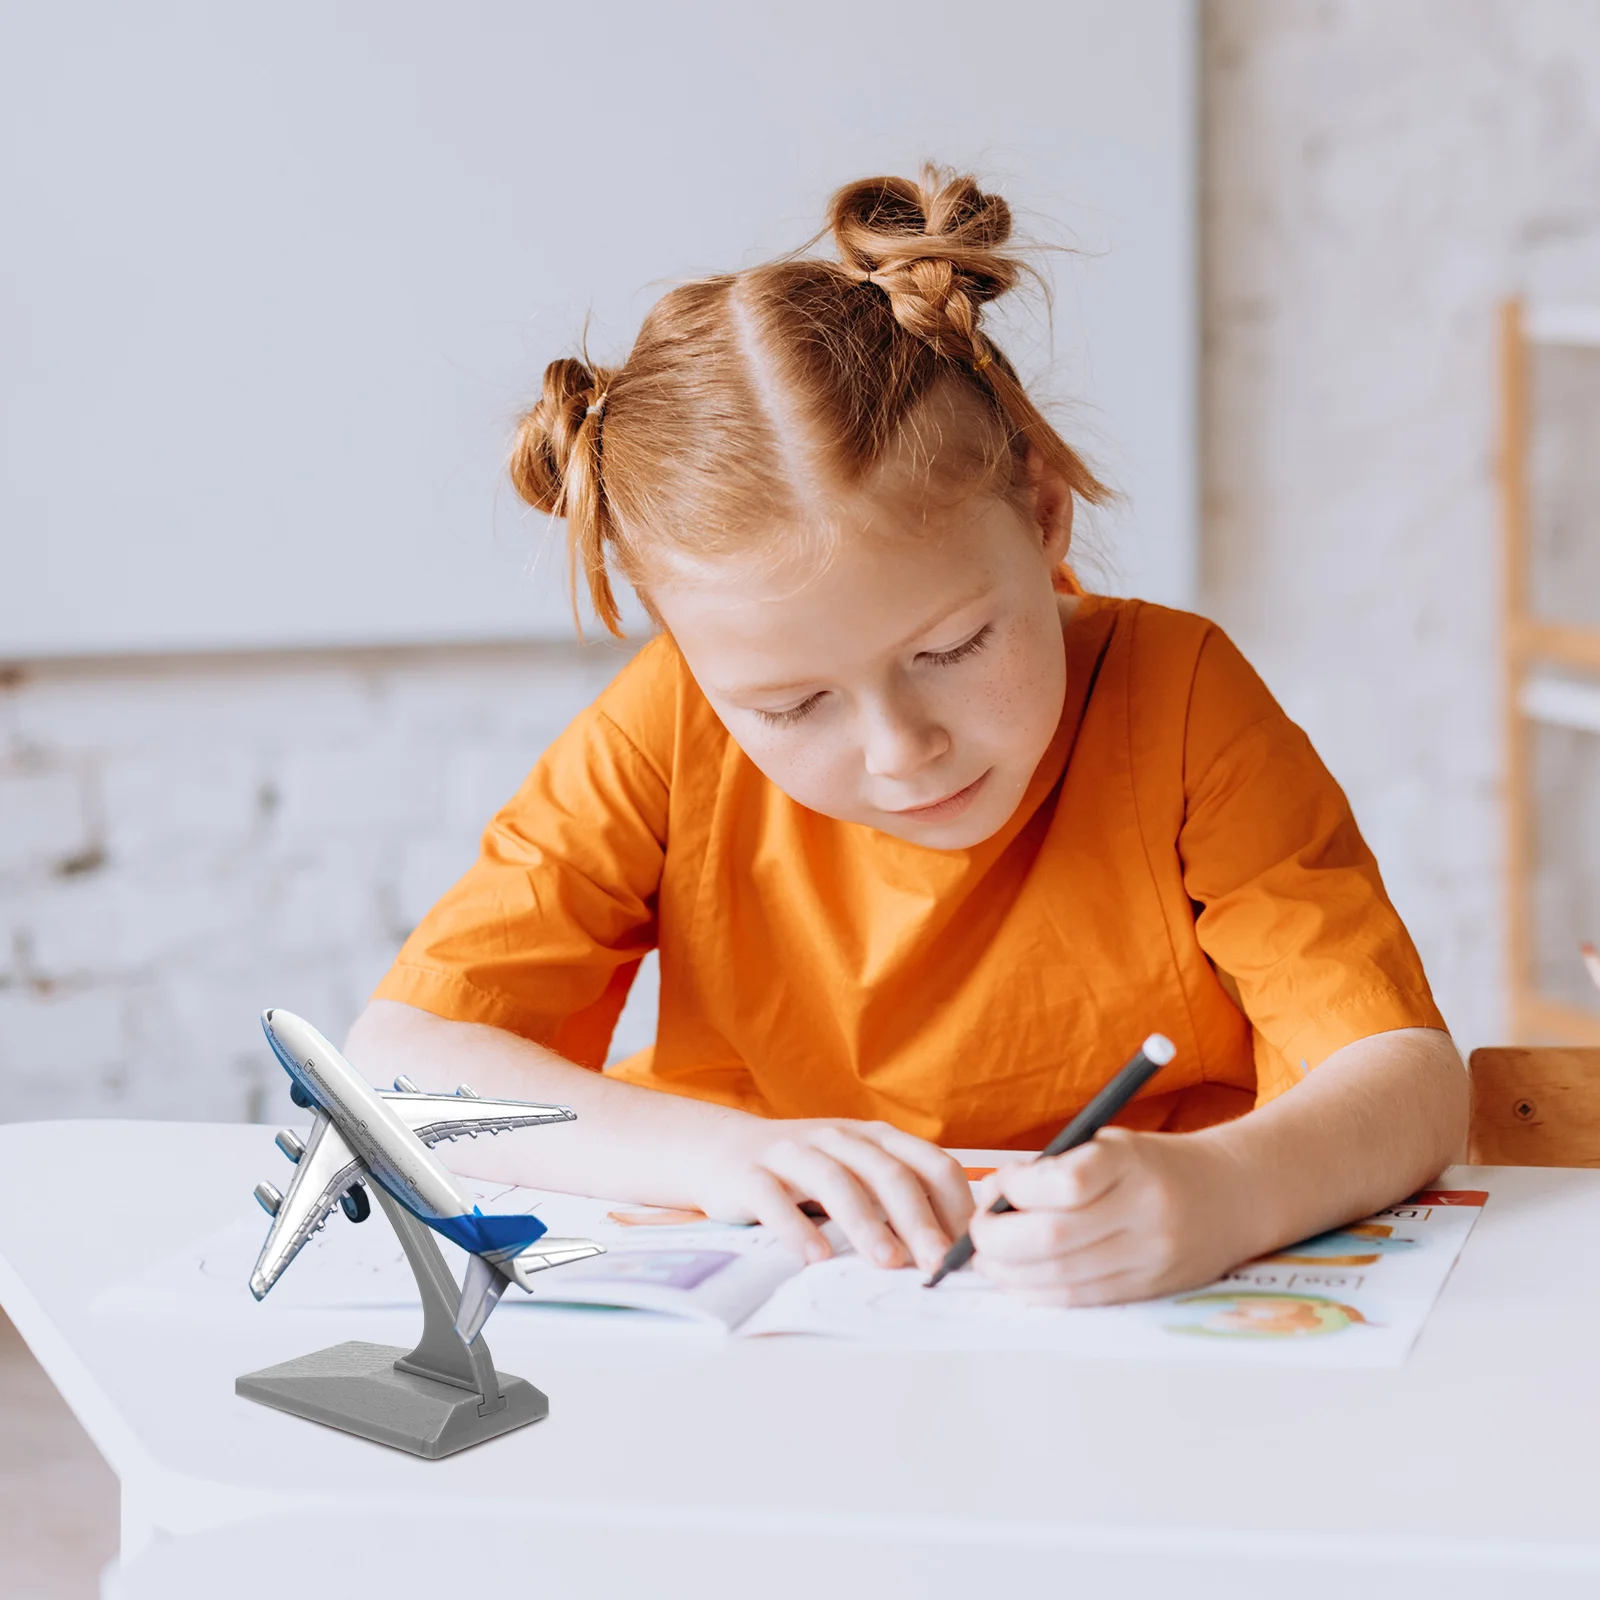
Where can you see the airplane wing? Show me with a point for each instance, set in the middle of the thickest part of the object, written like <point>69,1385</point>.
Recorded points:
<point>321,1175</point>
<point>433,1117</point>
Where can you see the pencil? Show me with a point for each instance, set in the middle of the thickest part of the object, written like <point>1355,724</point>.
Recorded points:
<point>1591,959</point>
<point>1152,1056</point>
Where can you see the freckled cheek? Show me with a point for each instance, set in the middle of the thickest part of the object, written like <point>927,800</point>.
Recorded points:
<point>812,769</point>
<point>1021,691</point>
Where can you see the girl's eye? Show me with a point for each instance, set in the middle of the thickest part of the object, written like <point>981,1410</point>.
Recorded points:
<point>946,658</point>
<point>940,658</point>
<point>784,719</point>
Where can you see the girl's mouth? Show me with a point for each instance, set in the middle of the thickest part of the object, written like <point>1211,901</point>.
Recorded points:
<point>951,806</point>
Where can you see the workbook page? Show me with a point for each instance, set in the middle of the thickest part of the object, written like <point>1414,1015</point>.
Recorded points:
<point>1356,1296</point>
<point>679,1263</point>
<point>676,1262</point>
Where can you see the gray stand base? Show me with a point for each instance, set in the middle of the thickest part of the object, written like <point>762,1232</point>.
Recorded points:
<point>434,1400</point>
<point>361,1388</point>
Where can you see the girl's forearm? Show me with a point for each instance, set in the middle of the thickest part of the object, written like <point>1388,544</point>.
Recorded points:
<point>628,1143</point>
<point>1376,1120</point>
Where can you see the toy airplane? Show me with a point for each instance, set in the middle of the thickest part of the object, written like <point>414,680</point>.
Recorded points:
<point>361,1132</point>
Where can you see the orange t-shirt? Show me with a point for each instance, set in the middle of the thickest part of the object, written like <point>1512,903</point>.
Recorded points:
<point>1181,862</point>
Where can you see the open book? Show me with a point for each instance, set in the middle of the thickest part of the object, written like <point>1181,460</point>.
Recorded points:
<point>1357,1296</point>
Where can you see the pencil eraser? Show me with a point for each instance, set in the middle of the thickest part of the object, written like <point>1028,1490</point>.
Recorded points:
<point>1160,1049</point>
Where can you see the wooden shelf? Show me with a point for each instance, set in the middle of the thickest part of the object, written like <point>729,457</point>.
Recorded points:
<point>1540,1020</point>
<point>1531,642</point>
<point>1555,642</point>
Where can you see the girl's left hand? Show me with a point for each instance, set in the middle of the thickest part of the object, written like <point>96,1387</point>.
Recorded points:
<point>1124,1217</point>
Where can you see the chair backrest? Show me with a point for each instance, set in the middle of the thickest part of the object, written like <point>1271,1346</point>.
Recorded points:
<point>1535,1107</point>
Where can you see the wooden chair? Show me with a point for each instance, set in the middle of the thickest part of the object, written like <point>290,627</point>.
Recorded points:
<point>1535,1107</point>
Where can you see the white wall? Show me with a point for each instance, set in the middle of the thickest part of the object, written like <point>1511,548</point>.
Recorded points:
<point>184,842</point>
<point>1377,177</point>
<point>283,276</point>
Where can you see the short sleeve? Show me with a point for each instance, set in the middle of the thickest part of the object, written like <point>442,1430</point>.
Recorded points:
<point>544,933</point>
<point>1290,903</point>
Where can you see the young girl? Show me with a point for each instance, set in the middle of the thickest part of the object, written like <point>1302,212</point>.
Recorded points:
<point>928,839</point>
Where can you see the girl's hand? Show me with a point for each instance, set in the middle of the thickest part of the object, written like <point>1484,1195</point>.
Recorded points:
<point>1124,1217</point>
<point>897,1198</point>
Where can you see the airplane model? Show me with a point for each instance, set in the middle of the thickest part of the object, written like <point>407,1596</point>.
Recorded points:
<point>360,1132</point>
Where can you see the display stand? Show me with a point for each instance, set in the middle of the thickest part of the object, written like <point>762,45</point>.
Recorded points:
<point>432,1401</point>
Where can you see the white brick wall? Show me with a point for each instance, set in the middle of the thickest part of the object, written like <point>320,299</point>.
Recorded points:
<point>1378,176</point>
<point>185,841</point>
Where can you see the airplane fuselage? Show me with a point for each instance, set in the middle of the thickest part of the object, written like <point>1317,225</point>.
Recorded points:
<point>391,1153</point>
<point>360,1132</point>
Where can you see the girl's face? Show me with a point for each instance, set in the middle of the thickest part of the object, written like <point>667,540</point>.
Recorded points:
<point>914,684</point>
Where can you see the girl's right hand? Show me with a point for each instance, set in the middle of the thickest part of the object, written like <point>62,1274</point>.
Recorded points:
<point>897,1198</point>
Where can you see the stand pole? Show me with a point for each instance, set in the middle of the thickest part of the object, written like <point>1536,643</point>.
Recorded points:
<point>441,1353</point>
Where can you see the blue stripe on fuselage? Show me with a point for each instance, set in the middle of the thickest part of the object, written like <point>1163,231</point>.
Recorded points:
<point>485,1235</point>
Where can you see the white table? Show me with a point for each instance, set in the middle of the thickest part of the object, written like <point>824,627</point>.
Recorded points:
<point>688,1465</point>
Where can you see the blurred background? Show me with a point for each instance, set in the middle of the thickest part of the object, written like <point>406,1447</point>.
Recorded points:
<point>275,640</point>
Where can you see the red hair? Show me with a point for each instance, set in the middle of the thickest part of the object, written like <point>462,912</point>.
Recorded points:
<point>757,400</point>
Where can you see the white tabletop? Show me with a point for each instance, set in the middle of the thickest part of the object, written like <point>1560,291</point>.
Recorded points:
<point>713,1466</point>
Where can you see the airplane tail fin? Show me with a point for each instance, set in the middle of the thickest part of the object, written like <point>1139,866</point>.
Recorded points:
<point>480,1294</point>
<point>487,1276</point>
<point>490,1236</point>
<point>549,1253</point>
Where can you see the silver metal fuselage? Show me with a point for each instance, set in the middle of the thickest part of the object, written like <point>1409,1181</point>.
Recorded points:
<point>387,1147</point>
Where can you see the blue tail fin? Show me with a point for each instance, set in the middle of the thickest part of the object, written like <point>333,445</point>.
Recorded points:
<point>483,1235</point>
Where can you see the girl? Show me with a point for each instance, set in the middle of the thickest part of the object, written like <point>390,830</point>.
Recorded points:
<point>928,839</point>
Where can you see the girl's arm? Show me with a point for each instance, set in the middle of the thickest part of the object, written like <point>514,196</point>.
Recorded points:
<point>888,1191</point>
<point>1132,1215</point>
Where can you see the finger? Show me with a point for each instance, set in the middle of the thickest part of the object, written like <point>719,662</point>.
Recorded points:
<point>1066,1182</point>
<point>898,1190</point>
<point>1113,1290</point>
<point>773,1206</point>
<point>1116,1252</point>
<point>1015,1238</point>
<point>942,1178</point>
<point>817,1175</point>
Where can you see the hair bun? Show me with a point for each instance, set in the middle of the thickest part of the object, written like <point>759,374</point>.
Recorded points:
<point>936,247</point>
<point>557,439</point>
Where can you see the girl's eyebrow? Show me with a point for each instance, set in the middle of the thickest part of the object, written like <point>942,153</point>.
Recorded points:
<point>926,626</point>
<point>950,610</point>
<point>933,621</point>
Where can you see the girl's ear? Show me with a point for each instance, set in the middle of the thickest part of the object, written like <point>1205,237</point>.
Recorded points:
<point>1052,507</point>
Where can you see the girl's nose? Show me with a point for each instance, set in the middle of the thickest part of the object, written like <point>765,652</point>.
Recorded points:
<point>899,741</point>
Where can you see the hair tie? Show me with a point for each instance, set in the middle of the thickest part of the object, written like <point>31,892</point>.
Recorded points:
<point>597,407</point>
<point>983,358</point>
